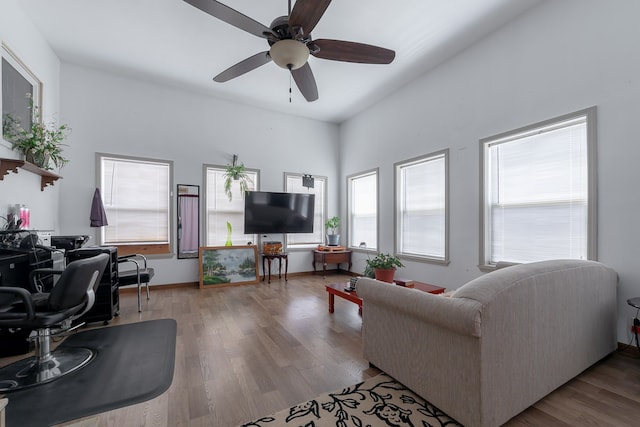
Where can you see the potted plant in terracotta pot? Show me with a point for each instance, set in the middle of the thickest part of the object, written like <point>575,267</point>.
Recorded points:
<point>384,266</point>
<point>332,224</point>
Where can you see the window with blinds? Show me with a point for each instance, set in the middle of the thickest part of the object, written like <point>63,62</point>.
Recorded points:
<point>539,192</point>
<point>136,195</point>
<point>220,211</point>
<point>293,183</point>
<point>422,207</point>
<point>362,211</point>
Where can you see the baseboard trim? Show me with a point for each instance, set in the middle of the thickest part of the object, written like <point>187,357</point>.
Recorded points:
<point>133,289</point>
<point>628,349</point>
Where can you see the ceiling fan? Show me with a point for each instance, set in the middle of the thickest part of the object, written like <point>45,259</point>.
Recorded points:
<point>290,42</point>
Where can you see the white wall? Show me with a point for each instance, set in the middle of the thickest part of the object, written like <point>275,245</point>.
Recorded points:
<point>121,115</point>
<point>559,57</point>
<point>17,32</point>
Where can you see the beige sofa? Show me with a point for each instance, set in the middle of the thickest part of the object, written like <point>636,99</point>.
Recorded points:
<point>499,343</point>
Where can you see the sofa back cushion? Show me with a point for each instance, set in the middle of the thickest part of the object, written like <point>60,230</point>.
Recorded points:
<point>486,288</point>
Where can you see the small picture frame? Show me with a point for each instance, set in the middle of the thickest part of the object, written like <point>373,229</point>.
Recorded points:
<point>228,265</point>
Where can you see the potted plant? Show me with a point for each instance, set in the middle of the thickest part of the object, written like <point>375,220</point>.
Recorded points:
<point>41,143</point>
<point>332,224</point>
<point>384,266</point>
<point>236,172</point>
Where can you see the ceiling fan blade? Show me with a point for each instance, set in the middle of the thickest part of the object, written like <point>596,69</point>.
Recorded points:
<point>242,67</point>
<point>339,50</point>
<point>305,81</point>
<point>307,13</point>
<point>231,17</point>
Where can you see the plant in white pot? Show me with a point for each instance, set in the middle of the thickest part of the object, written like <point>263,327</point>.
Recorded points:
<point>41,143</point>
<point>332,224</point>
<point>384,266</point>
<point>236,172</point>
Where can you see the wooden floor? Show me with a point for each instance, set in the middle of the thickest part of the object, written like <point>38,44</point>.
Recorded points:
<point>245,352</point>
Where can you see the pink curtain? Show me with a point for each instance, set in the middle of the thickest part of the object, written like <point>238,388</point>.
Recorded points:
<point>188,224</point>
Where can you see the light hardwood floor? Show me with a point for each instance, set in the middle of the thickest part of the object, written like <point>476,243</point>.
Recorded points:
<point>247,351</point>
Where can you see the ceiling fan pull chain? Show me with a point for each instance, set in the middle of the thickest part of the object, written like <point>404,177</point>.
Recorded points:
<point>289,88</point>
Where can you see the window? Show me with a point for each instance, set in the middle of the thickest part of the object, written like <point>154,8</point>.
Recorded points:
<point>220,211</point>
<point>422,207</point>
<point>362,214</point>
<point>538,192</point>
<point>136,194</point>
<point>293,184</point>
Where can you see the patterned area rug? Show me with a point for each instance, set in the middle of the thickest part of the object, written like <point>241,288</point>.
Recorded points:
<point>378,401</point>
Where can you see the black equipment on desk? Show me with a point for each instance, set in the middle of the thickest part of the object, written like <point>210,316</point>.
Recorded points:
<point>69,242</point>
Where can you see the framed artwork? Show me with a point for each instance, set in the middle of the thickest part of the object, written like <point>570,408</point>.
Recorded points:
<point>20,88</point>
<point>228,265</point>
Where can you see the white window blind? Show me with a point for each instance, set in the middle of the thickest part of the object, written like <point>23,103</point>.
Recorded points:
<point>294,185</point>
<point>421,206</point>
<point>363,210</point>
<point>136,198</point>
<point>219,210</point>
<point>537,194</point>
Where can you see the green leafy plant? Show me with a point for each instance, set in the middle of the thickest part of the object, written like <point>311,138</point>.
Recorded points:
<point>236,172</point>
<point>41,143</point>
<point>332,224</point>
<point>383,261</point>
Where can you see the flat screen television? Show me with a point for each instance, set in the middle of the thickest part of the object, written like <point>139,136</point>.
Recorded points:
<point>268,212</point>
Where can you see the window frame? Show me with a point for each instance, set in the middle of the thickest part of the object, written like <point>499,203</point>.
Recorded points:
<point>140,247</point>
<point>590,116</point>
<point>307,246</point>
<point>204,214</point>
<point>441,154</point>
<point>348,225</point>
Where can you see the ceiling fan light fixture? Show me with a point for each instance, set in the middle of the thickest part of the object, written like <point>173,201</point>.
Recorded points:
<point>289,53</point>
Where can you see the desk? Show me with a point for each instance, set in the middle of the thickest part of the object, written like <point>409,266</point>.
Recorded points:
<point>270,257</point>
<point>331,257</point>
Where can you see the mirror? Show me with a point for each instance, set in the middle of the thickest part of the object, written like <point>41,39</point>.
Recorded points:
<point>188,221</point>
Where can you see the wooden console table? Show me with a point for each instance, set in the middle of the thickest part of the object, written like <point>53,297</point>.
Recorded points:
<point>331,257</point>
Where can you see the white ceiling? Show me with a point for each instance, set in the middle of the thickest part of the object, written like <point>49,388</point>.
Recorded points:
<point>172,42</point>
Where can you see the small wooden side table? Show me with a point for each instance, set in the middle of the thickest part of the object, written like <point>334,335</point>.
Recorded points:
<point>331,257</point>
<point>270,257</point>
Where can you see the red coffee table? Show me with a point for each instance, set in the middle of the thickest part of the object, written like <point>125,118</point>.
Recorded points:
<point>339,290</point>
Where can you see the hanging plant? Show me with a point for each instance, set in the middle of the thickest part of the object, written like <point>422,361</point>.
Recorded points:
<point>236,172</point>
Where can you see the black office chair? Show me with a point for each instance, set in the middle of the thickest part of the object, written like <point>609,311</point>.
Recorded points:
<point>141,274</point>
<point>50,314</point>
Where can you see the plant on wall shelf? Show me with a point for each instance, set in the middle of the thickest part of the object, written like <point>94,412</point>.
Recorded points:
<point>41,143</point>
<point>236,172</point>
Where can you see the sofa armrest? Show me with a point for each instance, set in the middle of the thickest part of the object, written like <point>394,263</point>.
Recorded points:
<point>459,315</point>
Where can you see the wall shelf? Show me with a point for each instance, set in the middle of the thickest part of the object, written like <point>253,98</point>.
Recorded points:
<point>12,165</point>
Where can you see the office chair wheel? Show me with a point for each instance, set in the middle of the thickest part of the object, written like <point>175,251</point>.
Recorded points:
<point>31,371</point>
